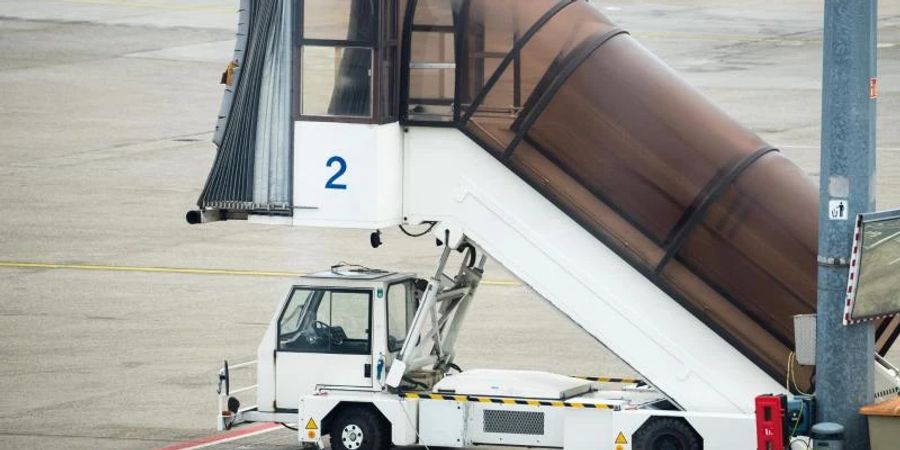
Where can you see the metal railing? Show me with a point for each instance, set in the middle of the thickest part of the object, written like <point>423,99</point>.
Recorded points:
<point>229,413</point>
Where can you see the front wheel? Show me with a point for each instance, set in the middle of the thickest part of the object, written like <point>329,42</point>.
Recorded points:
<point>358,429</point>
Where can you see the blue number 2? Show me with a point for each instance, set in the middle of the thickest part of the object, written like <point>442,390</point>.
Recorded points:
<point>342,168</point>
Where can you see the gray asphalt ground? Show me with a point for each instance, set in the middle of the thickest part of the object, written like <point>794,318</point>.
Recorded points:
<point>106,112</point>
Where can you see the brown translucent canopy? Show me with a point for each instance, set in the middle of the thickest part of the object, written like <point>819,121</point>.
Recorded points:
<point>577,108</point>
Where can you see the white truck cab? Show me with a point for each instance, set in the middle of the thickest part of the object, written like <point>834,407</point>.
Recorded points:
<point>336,329</point>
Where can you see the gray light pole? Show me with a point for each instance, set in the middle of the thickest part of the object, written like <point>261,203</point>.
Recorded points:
<point>844,353</point>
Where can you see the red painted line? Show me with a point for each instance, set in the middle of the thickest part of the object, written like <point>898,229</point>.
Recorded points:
<point>242,432</point>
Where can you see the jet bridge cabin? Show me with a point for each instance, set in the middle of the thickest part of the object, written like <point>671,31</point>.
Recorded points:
<point>529,124</point>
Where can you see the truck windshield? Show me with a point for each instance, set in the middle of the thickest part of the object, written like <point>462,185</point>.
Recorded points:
<point>326,321</point>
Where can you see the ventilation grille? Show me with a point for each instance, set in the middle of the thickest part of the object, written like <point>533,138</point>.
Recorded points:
<point>513,422</point>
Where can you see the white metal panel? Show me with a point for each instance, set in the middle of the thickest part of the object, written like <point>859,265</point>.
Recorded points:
<point>442,423</point>
<point>298,374</point>
<point>265,364</point>
<point>450,178</point>
<point>513,383</point>
<point>314,408</point>
<point>587,429</point>
<point>347,175</point>
<point>403,416</point>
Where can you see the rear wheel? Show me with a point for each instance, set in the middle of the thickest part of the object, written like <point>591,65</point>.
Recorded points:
<point>666,433</point>
<point>358,429</point>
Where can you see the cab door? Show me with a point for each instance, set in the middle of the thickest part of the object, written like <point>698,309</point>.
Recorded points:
<point>400,310</point>
<point>324,340</point>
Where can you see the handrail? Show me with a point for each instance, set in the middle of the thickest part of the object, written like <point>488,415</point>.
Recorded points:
<point>228,406</point>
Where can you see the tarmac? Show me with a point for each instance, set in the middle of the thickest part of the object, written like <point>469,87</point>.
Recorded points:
<point>115,315</point>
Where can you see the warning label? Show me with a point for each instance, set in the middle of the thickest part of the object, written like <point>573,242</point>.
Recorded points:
<point>311,424</point>
<point>620,439</point>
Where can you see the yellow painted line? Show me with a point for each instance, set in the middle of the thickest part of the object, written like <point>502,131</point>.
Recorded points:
<point>181,270</point>
<point>145,269</point>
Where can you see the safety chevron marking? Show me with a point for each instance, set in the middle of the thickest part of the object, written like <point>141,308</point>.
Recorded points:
<point>507,401</point>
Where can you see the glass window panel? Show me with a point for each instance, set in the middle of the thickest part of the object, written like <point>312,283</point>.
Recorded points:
<point>585,207</point>
<point>336,81</point>
<point>548,47</point>
<point>432,62</point>
<point>326,321</point>
<point>397,314</point>
<point>492,26</point>
<point>399,18</point>
<point>432,76</point>
<point>740,329</point>
<point>434,12</point>
<point>625,127</point>
<point>760,253</point>
<point>432,47</point>
<point>431,84</point>
<point>389,84</point>
<point>878,287</point>
<point>350,312</point>
<point>289,323</point>
<point>352,20</point>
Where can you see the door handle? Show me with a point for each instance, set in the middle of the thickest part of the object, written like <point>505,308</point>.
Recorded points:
<point>367,371</point>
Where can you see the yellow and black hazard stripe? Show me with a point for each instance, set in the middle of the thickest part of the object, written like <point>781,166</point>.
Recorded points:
<point>507,401</point>
<point>612,380</point>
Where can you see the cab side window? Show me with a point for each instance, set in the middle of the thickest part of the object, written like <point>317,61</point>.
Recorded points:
<point>399,312</point>
<point>326,321</point>
<point>289,324</point>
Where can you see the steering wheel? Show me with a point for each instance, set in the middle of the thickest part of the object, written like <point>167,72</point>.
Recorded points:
<point>335,334</point>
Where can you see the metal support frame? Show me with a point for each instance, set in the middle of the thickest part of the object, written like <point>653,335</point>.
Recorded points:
<point>432,335</point>
<point>844,369</point>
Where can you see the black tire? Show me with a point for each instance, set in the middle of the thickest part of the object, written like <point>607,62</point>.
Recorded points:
<point>359,429</point>
<point>666,433</point>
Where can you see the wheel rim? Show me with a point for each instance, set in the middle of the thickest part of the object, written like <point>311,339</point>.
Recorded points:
<point>352,437</point>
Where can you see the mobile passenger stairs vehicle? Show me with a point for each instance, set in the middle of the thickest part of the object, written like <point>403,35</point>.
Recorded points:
<point>539,133</point>
<point>364,359</point>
